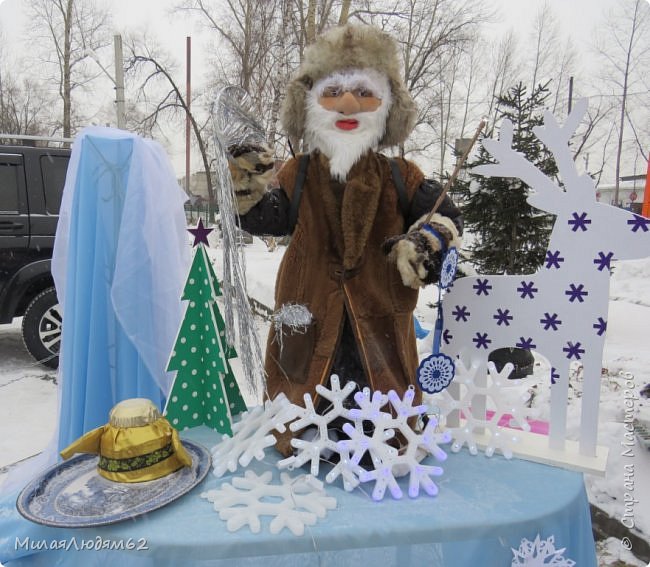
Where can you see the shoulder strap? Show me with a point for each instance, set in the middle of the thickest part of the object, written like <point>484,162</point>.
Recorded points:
<point>398,180</point>
<point>297,191</point>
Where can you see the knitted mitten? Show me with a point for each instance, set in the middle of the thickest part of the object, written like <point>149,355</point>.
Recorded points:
<point>251,167</point>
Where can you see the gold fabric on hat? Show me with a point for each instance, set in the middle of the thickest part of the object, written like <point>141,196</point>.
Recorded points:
<point>133,453</point>
<point>134,412</point>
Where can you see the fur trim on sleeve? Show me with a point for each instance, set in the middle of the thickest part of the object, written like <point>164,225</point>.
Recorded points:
<point>442,224</point>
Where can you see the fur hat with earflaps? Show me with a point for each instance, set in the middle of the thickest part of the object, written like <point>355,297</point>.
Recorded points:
<point>351,47</point>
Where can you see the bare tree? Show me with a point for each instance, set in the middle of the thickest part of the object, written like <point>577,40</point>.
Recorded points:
<point>264,42</point>
<point>449,68</point>
<point>24,102</point>
<point>24,107</point>
<point>565,70</point>
<point>625,51</point>
<point>553,56</point>
<point>345,11</point>
<point>252,44</point>
<point>156,73</point>
<point>64,31</point>
<point>246,28</point>
<point>545,41</point>
<point>433,35</point>
<point>310,20</point>
<point>503,69</point>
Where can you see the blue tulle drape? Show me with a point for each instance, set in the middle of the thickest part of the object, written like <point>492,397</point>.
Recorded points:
<point>119,265</point>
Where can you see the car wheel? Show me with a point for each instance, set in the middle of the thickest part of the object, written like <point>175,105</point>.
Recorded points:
<point>42,324</point>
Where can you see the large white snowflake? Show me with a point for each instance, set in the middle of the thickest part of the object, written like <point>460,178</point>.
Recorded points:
<point>391,430</point>
<point>252,435</point>
<point>388,462</point>
<point>318,441</point>
<point>500,438</point>
<point>293,504</point>
<point>539,553</point>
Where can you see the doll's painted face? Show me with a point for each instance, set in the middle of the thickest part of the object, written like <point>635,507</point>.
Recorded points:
<point>348,100</point>
<point>346,116</point>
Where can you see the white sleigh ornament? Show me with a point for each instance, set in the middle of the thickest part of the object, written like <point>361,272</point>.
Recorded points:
<point>560,310</point>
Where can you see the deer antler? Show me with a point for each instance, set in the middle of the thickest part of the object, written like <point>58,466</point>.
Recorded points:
<point>557,138</point>
<point>544,193</point>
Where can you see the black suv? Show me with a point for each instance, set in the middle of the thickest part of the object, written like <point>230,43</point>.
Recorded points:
<point>31,186</point>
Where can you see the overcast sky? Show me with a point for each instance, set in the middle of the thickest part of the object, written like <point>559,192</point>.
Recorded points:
<point>577,17</point>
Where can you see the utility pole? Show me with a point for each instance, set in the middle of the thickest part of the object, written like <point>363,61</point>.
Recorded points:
<point>188,49</point>
<point>119,81</point>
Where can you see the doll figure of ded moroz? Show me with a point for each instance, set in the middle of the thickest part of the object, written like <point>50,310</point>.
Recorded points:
<point>358,252</point>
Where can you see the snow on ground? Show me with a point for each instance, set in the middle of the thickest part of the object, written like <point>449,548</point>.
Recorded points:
<point>27,399</point>
<point>28,391</point>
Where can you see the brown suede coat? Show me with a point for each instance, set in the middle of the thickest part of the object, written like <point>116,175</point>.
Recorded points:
<point>335,263</point>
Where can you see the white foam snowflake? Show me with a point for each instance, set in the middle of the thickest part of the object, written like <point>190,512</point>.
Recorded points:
<point>319,442</point>
<point>348,470</point>
<point>293,504</point>
<point>252,435</point>
<point>390,462</point>
<point>539,553</point>
<point>500,438</point>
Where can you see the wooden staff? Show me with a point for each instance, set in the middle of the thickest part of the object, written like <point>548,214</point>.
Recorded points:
<point>456,171</point>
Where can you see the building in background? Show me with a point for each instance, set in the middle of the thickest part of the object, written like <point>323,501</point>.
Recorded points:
<point>631,191</point>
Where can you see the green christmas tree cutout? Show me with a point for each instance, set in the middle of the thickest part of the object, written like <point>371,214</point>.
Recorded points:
<point>205,391</point>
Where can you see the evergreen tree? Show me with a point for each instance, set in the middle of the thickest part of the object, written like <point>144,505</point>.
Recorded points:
<point>510,235</point>
<point>205,390</point>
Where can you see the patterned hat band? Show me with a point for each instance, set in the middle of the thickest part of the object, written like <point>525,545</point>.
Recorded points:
<point>136,445</point>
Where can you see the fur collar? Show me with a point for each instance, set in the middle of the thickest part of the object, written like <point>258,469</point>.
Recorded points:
<point>349,208</point>
<point>360,202</point>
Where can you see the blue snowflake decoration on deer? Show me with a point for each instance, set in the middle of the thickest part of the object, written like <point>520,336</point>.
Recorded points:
<point>437,370</point>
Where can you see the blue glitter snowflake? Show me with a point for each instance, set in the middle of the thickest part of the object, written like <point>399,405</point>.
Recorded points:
<point>435,373</point>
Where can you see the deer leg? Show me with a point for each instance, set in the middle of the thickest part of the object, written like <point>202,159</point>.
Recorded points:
<point>479,401</point>
<point>590,400</point>
<point>559,401</point>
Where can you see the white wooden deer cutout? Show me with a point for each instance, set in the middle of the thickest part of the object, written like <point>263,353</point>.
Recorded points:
<point>561,310</point>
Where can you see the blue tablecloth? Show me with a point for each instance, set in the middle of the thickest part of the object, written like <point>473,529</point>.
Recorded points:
<point>485,507</point>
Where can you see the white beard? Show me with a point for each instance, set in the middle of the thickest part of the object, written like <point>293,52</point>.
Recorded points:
<point>343,148</point>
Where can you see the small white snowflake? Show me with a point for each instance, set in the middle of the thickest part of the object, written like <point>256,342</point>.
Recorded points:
<point>293,504</point>
<point>318,442</point>
<point>500,438</point>
<point>252,435</point>
<point>382,454</point>
<point>539,553</point>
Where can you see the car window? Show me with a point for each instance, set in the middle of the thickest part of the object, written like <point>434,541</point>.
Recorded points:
<point>9,187</point>
<point>53,169</point>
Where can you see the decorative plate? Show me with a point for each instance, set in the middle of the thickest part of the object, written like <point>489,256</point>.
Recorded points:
<point>435,373</point>
<point>72,494</point>
<point>449,266</point>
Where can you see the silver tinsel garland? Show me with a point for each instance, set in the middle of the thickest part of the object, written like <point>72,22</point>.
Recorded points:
<point>235,123</point>
<point>291,318</point>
